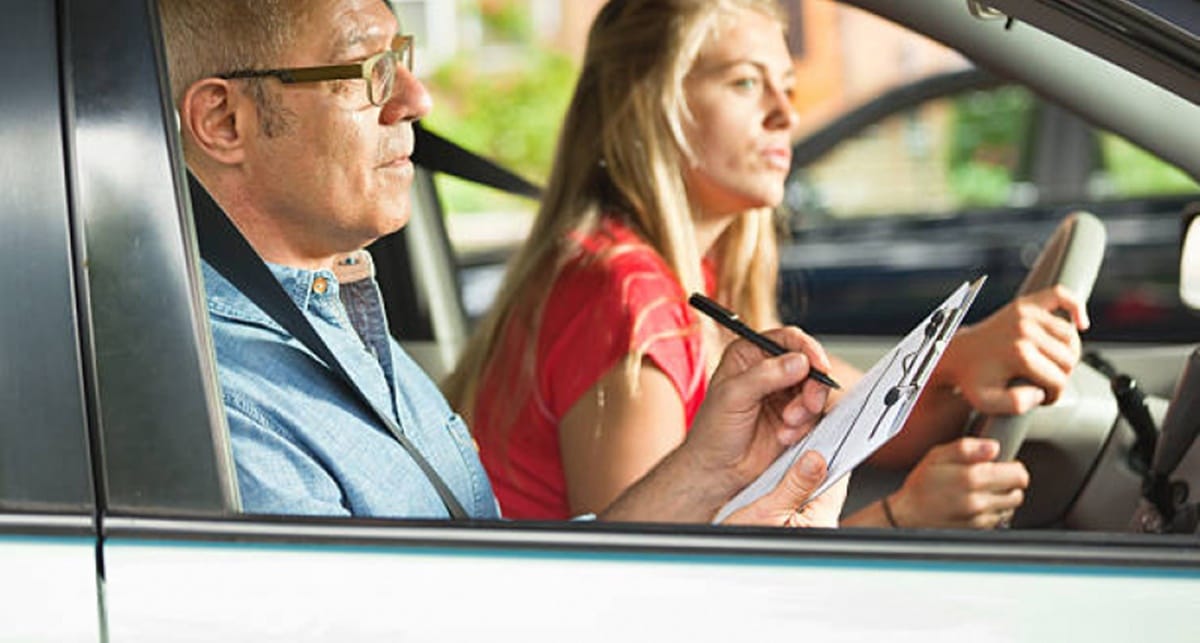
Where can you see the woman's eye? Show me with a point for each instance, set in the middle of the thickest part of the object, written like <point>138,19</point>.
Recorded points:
<point>746,84</point>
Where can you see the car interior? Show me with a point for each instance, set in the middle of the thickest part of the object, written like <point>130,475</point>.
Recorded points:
<point>1089,454</point>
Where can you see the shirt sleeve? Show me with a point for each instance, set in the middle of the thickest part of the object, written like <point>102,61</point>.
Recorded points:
<point>600,312</point>
<point>274,475</point>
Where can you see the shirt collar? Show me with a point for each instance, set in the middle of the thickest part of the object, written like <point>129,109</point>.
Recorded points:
<point>300,285</point>
<point>304,285</point>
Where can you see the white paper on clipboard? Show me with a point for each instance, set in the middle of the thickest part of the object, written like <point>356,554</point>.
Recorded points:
<point>876,408</point>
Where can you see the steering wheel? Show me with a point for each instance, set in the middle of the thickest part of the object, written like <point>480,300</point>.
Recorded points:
<point>1071,258</point>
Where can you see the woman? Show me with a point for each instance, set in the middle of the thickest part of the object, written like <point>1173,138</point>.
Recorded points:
<point>673,152</point>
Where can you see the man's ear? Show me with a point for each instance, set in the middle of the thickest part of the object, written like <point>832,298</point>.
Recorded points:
<point>217,119</point>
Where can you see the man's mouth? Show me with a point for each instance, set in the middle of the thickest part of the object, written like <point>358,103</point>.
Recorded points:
<point>395,153</point>
<point>401,161</point>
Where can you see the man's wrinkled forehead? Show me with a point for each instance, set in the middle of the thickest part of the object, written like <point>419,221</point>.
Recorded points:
<point>361,27</point>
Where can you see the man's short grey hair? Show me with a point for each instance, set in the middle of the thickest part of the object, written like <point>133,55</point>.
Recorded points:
<point>205,38</point>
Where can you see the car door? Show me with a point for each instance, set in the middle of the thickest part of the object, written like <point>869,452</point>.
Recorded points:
<point>48,537</point>
<point>177,560</point>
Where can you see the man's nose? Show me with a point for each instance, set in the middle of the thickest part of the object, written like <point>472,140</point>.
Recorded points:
<point>409,101</point>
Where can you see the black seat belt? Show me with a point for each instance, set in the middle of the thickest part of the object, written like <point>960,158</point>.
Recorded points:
<point>226,250</point>
<point>439,154</point>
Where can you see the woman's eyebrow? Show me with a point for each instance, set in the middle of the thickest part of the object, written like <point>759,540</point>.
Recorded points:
<point>760,66</point>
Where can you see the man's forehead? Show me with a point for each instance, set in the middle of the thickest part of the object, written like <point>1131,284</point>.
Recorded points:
<point>360,26</point>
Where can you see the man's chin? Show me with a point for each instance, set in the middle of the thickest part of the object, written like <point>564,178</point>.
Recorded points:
<point>393,219</point>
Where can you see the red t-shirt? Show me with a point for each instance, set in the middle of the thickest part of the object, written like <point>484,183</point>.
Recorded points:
<point>616,297</point>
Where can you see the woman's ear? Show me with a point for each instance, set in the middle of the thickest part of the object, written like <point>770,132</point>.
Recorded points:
<point>215,119</point>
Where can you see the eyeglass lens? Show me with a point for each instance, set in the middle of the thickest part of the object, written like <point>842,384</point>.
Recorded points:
<point>383,72</point>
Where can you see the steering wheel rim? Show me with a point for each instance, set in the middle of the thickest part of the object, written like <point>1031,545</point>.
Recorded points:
<point>1071,258</point>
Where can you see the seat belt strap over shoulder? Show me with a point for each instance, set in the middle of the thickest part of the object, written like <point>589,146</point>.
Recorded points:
<point>227,251</point>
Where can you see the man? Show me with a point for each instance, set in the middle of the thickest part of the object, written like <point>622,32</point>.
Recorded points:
<point>313,169</point>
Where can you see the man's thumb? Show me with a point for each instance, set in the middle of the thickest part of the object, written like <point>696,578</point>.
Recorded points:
<point>796,487</point>
<point>800,481</point>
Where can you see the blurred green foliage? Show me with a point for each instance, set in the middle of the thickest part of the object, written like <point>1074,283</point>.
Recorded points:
<point>988,138</point>
<point>509,112</point>
<point>985,144</point>
<point>1133,172</point>
<point>504,20</point>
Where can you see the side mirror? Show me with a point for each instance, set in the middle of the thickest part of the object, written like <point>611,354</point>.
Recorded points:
<point>1189,258</point>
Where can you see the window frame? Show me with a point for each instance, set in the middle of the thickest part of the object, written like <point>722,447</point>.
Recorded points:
<point>44,456</point>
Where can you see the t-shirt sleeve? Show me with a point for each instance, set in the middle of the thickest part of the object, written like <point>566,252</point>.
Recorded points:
<point>600,312</point>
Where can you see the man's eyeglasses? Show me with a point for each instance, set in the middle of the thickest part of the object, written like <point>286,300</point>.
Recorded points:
<point>379,71</point>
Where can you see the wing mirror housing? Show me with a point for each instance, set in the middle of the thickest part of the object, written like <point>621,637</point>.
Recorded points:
<point>1189,257</point>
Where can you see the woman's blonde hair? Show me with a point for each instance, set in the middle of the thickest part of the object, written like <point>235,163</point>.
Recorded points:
<point>622,148</point>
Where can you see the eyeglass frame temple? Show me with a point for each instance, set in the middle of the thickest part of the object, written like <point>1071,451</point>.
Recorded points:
<point>334,72</point>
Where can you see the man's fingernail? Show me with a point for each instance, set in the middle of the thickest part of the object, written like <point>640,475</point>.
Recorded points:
<point>810,467</point>
<point>794,363</point>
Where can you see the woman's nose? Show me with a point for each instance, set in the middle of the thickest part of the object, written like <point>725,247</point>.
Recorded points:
<point>781,114</point>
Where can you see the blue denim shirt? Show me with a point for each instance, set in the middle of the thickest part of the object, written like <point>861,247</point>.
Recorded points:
<point>302,443</point>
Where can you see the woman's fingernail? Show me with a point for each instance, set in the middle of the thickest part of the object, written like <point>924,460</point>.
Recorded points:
<point>989,448</point>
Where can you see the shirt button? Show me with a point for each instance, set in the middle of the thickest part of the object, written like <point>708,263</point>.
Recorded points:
<point>320,285</point>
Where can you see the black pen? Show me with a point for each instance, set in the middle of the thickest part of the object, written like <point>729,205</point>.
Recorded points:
<point>729,319</point>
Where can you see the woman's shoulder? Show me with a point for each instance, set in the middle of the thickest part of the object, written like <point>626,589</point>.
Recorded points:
<point>615,280</point>
<point>613,250</point>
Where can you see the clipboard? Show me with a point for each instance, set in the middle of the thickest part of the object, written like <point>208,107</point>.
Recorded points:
<point>876,408</point>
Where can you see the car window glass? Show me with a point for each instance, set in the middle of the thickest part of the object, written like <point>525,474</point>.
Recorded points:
<point>1130,171</point>
<point>483,225</point>
<point>934,159</point>
<point>990,148</point>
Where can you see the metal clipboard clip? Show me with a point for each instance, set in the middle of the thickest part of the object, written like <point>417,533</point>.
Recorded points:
<point>915,365</point>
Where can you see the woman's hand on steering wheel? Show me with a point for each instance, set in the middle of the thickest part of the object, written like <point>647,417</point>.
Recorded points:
<point>1034,340</point>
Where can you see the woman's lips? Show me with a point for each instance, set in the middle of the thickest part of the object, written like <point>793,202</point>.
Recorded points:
<point>778,158</point>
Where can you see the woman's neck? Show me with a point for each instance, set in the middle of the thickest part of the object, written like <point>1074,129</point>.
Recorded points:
<point>708,230</point>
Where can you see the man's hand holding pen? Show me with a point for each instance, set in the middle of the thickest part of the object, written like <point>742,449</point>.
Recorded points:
<point>758,405</point>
